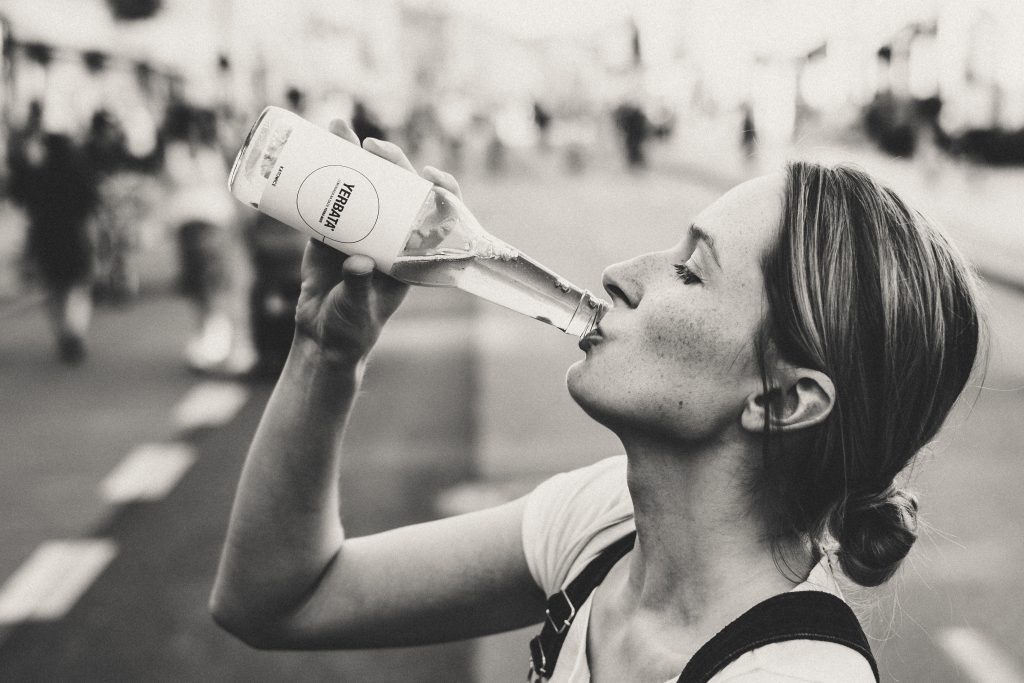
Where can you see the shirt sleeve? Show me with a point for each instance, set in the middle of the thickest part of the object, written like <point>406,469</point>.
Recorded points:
<point>571,517</point>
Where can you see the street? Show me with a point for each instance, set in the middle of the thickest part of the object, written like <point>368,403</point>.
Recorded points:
<point>463,405</point>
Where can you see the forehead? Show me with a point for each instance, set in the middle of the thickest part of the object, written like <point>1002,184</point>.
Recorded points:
<point>744,220</point>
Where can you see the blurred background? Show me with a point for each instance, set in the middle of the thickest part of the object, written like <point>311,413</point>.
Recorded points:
<point>145,312</point>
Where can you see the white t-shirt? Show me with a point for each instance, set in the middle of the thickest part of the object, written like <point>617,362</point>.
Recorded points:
<point>199,182</point>
<point>572,517</point>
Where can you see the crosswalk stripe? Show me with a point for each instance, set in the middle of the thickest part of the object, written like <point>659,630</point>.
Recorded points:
<point>53,578</point>
<point>210,404</point>
<point>148,472</point>
<point>979,659</point>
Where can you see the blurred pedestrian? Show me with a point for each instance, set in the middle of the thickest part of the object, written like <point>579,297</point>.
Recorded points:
<point>215,272</point>
<point>495,148</point>
<point>421,127</point>
<point>542,120</point>
<point>634,128</point>
<point>748,132</point>
<point>127,194</point>
<point>769,376</point>
<point>53,180</point>
<point>296,99</point>
<point>276,253</point>
<point>365,124</point>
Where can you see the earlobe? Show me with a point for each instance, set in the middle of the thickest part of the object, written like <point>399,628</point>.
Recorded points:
<point>805,398</point>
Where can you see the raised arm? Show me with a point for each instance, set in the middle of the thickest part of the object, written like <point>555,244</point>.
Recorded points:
<point>288,577</point>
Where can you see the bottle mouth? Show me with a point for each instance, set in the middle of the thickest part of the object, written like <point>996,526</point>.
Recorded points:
<point>588,315</point>
<point>244,151</point>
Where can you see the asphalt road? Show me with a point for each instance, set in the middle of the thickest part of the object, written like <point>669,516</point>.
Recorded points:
<point>475,411</point>
<point>144,617</point>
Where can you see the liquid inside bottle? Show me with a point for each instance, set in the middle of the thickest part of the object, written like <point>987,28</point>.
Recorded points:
<point>280,170</point>
<point>447,247</point>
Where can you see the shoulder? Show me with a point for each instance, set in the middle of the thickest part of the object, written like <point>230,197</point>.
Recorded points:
<point>798,660</point>
<point>571,517</point>
<point>804,659</point>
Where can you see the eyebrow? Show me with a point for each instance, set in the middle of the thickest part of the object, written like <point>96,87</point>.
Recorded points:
<point>701,235</point>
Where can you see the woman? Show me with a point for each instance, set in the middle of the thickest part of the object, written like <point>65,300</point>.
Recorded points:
<point>769,377</point>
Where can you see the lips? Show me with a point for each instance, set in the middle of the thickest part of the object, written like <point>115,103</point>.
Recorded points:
<point>587,342</point>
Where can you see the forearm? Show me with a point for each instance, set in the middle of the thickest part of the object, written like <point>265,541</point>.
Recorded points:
<point>285,526</point>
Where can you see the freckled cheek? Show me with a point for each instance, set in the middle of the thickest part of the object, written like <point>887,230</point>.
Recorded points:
<point>686,338</point>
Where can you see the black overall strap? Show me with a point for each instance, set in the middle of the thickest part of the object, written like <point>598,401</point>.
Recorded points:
<point>562,606</point>
<point>797,615</point>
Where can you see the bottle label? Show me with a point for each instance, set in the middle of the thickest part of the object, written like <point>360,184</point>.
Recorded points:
<point>342,195</point>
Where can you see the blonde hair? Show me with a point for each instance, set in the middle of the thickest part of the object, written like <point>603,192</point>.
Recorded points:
<point>863,288</point>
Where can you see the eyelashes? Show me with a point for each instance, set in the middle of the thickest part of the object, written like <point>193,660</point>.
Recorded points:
<point>686,275</point>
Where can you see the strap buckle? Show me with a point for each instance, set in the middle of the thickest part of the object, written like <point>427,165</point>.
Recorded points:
<point>564,612</point>
<point>538,662</point>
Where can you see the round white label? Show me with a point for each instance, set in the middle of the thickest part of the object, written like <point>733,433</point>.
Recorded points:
<point>339,203</point>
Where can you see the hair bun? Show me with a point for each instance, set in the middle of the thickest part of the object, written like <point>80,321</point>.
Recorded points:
<point>875,534</point>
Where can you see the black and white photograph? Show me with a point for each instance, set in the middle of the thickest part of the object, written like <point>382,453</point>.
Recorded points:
<point>554,341</point>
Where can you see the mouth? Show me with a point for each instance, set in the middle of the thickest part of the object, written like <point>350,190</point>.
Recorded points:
<point>592,339</point>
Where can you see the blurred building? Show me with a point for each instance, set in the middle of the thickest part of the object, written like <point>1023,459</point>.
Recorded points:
<point>778,60</point>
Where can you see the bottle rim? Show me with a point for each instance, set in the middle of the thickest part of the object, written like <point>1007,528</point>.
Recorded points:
<point>588,315</point>
<point>244,150</point>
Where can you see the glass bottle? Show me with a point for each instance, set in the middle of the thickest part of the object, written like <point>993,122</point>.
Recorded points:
<point>417,232</point>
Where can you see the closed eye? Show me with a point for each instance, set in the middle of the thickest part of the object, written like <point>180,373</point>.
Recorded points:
<point>686,275</point>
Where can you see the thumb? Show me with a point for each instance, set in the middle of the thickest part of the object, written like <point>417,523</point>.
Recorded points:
<point>357,275</point>
<point>357,265</point>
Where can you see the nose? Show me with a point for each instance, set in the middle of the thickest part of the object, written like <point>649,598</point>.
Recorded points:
<point>623,283</point>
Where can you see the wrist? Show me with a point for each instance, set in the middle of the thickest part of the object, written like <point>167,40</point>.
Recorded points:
<point>311,362</point>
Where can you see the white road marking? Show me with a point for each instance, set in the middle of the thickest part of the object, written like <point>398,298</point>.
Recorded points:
<point>978,658</point>
<point>53,578</point>
<point>149,472</point>
<point>210,404</point>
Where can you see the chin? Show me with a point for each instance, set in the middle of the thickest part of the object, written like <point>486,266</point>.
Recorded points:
<point>585,391</point>
<point>576,379</point>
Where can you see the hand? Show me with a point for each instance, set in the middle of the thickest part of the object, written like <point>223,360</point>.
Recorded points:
<point>344,301</point>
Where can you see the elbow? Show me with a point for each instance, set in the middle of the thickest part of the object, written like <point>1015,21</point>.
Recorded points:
<point>248,626</point>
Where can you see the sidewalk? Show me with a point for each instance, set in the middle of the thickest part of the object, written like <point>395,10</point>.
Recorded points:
<point>980,207</point>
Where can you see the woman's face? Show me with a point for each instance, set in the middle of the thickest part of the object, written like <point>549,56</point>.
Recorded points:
<point>675,355</point>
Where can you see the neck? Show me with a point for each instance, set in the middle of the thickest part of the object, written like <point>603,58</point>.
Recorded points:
<point>702,551</point>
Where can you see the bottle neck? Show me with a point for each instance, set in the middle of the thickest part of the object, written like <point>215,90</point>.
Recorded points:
<point>587,316</point>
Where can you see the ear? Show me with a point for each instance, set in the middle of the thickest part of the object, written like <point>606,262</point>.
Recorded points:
<point>801,399</point>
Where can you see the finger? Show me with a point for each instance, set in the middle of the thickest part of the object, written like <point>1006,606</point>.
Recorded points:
<point>358,265</point>
<point>389,151</point>
<point>322,265</point>
<point>442,179</point>
<point>387,292</point>
<point>341,128</point>
<point>358,279</point>
<point>360,270</point>
<point>444,195</point>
